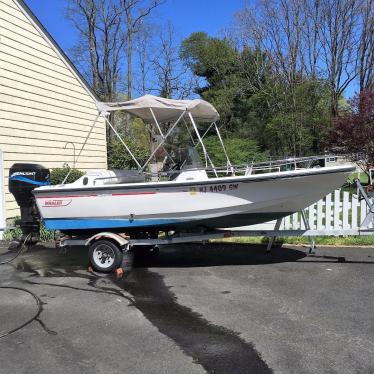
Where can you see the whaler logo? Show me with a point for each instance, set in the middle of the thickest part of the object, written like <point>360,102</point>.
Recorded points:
<point>55,203</point>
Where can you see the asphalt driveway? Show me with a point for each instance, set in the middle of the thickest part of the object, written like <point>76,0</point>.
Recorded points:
<point>218,308</point>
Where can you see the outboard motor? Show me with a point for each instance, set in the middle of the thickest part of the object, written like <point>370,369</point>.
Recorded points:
<point>23,178</point>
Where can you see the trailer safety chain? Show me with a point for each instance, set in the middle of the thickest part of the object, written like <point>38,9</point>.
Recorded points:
<point>35,297</point>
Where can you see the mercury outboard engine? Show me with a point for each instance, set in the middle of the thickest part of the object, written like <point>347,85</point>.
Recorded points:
<point>23,178</point>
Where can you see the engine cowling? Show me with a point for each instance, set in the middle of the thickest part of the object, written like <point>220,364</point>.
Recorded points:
<point>23,178</point>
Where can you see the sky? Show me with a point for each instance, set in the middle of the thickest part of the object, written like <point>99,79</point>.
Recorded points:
<point>189,16</point>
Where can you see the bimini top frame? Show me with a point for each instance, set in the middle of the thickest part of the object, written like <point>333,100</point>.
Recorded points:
<point>155,110</point>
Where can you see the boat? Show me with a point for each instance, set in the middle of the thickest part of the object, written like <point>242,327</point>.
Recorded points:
<point>188,197</point>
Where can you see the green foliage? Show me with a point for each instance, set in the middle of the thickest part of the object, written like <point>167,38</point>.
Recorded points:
<point>9,234</point>
<point>44,234</point>
<point>299,124</point>
<point>58,175</point>
<point>119,158</point>
<point>240,151</point>
<point>254,102</point>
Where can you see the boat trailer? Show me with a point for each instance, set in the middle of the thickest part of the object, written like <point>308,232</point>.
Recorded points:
<point>106,249</point>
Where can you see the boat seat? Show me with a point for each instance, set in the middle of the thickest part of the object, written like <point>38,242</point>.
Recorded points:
<point>124,176</point>
<point>100,177</point>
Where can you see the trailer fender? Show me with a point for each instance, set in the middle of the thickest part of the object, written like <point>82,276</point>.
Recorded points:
<point>109,235</point>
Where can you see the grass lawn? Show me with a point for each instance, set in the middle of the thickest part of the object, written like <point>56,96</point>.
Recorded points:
<point>320,240</point>
<point>364,179</point>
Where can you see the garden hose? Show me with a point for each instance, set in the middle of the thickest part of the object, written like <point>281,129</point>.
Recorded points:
<point>36,298</point>
<point>36,315</point>
<point>20,251</point>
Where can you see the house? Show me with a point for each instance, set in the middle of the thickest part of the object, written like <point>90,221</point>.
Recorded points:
<point>45,104</point>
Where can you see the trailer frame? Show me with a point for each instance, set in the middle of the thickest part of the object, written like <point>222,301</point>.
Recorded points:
<point>126,243</point>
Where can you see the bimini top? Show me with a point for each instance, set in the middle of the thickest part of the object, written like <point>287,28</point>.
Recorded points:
<point>165,110</point>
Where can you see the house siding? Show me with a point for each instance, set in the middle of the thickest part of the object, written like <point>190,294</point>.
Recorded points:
<point>43,102</point>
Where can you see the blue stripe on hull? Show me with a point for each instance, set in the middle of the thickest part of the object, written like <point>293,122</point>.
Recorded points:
<point>86,223</point>
<point>234,220</point>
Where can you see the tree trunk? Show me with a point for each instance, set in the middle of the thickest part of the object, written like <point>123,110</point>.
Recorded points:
<point>129,63</point>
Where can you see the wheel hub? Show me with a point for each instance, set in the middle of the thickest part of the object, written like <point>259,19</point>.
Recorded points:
<point>104,256</point>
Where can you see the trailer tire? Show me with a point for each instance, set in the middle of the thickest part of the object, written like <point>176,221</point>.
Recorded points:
<point>105,256</point>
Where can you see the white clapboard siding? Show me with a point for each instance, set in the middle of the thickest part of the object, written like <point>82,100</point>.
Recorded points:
<point>46,145</point>
<point>16,42</point>
<point>29,108</point>
<point>23,58</point>
<point>50,98</point>
<point>29,122</point>
<point>44,103</point>
<point>17,32</point>
<point>23,78</point>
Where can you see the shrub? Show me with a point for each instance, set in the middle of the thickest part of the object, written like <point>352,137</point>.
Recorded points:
<point>240,151</point>
<point>119,158</point>
<point>44,234</point>
<point>58,175</point>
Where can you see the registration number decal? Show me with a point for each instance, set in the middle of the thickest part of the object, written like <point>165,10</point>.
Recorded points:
<point>219,188</point>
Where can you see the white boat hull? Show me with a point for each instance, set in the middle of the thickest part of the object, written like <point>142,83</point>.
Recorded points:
<point>218,202</point>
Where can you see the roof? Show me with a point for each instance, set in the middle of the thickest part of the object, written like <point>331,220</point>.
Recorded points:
<point>63,55</point>
<point>149,107</point>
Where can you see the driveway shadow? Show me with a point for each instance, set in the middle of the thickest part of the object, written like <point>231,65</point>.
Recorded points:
<point>45,261</point>
<point>216,254</point>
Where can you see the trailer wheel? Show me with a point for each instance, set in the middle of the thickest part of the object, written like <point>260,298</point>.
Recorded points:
<point>105,256</point>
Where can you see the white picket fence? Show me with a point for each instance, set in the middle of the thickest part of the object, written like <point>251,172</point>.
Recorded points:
<point>339,211</point>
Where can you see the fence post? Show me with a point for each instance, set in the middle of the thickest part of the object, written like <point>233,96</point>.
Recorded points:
<point>319,214</point>
<point>295,221</point>
<point>363,213</point>
<point>328,212</point>
<point>336,209</point>
<point>354,211</point>
<point>345,210</point>
<point>311,217</point>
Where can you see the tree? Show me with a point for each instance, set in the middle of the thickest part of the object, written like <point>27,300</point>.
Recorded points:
<point>297,126</point>
<point>172,78</point>
<point>353,129</point>
<point>366,47</point>
<point>240,151</point>
<point>119,158</point>
<point>276,28</point>
<point>285,34</point>
<point>313,39</point>
<point>338,29</point>
<point>98,22</point>
<point>145,49</point>
<point>135,12</point>
<point>216,63</point>
<point>254,101</point>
